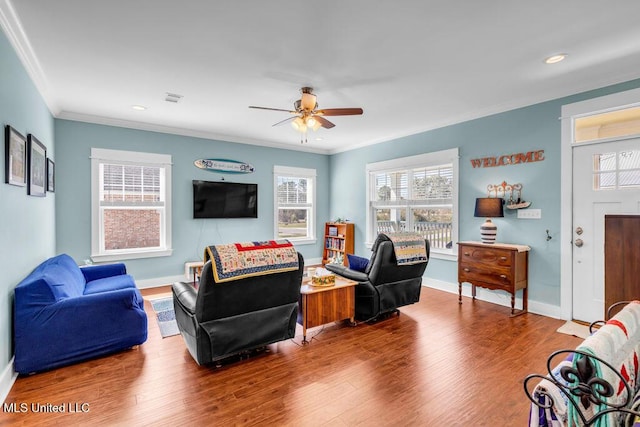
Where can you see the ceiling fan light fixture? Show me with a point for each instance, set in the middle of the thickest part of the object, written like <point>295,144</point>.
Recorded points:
<point>308,101</point>
<point>307,116</point>
<point>299,125</point>
<point>313,123</point>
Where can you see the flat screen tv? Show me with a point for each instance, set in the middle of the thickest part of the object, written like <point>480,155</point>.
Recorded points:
<point>224,199</point>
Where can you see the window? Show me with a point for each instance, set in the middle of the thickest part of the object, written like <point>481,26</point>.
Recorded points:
<point>417,194</point>
<point>295,200</point>
<point>617,170</point>
<point>131,205</point>
<point>617,124</point>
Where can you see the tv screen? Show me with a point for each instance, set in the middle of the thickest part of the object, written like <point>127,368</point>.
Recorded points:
<point>224,200</point>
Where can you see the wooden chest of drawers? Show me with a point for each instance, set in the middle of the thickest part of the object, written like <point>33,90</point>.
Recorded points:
<point>496,266</point>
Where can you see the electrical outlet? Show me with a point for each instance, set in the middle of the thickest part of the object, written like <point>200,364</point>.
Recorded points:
<point>530,213</point>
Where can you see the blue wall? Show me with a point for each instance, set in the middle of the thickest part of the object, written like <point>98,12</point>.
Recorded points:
<point>190,236</point>
<point>536,127</point>
<point>27,224</point>
<point>33,229</point>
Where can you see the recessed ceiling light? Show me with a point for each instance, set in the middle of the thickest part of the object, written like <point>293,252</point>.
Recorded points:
<point>139,107</point>
<point>554,59</point>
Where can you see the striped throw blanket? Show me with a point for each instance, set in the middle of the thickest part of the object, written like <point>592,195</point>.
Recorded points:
<point>409,248</point>
<point>239,260</point>
<point>617,343</point>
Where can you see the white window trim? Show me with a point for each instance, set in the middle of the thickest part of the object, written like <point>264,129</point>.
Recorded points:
<point>296,172</point>
<point>420,160</point>
<point>569,113</point>
<point>99,155</point>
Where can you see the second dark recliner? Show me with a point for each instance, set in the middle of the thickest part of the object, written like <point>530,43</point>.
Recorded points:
<point>384,285</point>
<point>222,319</point>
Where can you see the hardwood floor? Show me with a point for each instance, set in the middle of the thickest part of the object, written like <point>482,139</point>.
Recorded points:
<point>437,364</point>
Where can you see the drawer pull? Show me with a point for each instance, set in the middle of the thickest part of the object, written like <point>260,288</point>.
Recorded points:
<point>503,258</point>
<point>467,270</point>
<point>503,276</point>
<point>466,254</point>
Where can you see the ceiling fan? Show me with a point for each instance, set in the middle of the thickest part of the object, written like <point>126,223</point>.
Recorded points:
<point>308,116</point>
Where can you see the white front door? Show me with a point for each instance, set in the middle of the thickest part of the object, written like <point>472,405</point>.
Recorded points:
<point>606,180</point>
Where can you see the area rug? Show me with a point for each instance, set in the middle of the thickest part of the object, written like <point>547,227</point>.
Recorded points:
<point>575,329</point>
<point>166,317</point>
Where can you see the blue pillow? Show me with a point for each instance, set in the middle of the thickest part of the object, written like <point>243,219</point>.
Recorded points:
<point>357,263</point>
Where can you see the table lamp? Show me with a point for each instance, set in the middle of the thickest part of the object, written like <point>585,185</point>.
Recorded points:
<point>488,207</point>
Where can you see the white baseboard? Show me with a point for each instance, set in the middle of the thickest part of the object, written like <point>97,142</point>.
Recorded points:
<point>313,261</point>
<point>7,379</point>
<point>500,298</point>
<point>168,280</point>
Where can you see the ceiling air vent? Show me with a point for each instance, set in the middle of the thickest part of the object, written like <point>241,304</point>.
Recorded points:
<point>173,97</point>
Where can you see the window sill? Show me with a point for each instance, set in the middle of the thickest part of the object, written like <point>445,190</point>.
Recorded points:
<point>303,241</point>
<point>435,254</point>
<point>121,256</point>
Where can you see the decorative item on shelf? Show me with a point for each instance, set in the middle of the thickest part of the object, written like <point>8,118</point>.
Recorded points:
<point>514,191</point>
<point>488,207</point>
<point>338,259</point>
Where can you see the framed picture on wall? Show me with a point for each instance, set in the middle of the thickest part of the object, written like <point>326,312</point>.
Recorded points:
<point>37,161</point>
<point>51,175</point>
<point>15,159</point>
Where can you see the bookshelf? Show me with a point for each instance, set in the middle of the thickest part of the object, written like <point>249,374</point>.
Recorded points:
<point>338,239</point>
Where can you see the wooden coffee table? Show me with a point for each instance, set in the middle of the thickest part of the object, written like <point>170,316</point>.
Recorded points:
<point>320,305</point>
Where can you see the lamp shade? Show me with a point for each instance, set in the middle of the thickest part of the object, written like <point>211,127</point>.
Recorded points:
<point>488,207</point>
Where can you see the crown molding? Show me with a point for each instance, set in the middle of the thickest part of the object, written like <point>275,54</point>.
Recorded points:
<point>151,127</point>
<point>12,28</point>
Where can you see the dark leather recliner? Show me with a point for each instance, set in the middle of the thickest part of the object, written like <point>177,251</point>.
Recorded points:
<point>219,320</point>
<point>384,285</point>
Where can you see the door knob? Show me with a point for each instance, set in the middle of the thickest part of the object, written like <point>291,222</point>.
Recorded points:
<point>579,243</point>
<point>579,231</point>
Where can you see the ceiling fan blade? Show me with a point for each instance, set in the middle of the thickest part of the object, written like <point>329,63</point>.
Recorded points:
<point>324,122</point>
<point>288,119</point>
<point>273,109</point>
<point>340,112</point>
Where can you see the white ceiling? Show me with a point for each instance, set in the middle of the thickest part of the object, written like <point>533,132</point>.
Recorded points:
<point>412,65</point>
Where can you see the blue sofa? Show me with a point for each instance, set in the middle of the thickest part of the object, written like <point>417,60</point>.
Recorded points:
<point>65,314</point>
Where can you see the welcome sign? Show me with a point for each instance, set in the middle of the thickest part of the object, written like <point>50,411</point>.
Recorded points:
<point>508,159</point>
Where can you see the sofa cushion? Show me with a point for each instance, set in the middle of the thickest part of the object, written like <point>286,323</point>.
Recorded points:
<point>109,284</point>
<point>357,263</point>
<point>62,275</point>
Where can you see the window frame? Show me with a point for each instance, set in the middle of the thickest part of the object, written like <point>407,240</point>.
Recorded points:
<point>100,156</point>
<point>425,160</point>
<point>311,176</point>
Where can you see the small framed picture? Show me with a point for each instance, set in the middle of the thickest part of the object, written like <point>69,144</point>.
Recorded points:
<point>37,160</point>
<point>51,175</point>
<point>15,160</point>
